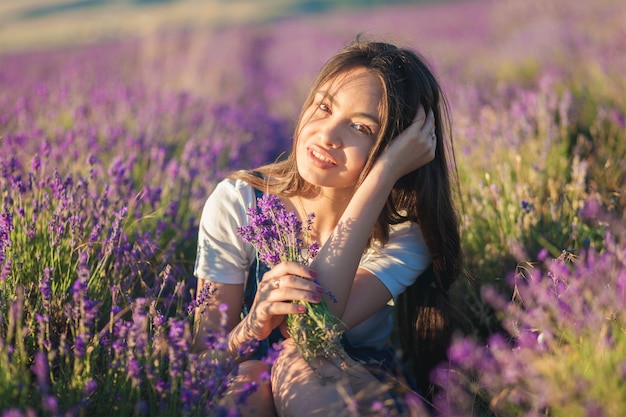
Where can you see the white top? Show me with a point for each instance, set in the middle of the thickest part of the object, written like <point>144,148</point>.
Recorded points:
<point>224,257</point>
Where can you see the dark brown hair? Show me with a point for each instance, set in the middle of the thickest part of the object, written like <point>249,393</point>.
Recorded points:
<point>424,196</point>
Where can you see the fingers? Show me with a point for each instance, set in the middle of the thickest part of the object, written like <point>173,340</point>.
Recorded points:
<point>422,127</point>
<point>290,287</point>
<point>426,138</point>
<point>429,123</point>
<point>289,281</point>
<point>414,147</point>
<point>291,275</point>
<point>420,116</point>
<point>280,308</point>
<point>291,268</point>
<point>429,132</point>
<point>275,295</point>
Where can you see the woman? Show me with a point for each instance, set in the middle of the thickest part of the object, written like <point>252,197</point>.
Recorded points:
<point>368,160</point>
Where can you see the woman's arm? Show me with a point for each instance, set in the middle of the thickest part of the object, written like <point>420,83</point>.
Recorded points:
<point>208,317</point>
<point>285,282</point>
<point>222,256</point>
<point>337,261</point>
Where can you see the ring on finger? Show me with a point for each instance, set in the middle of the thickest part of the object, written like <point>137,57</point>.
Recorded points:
<point>276,283</point>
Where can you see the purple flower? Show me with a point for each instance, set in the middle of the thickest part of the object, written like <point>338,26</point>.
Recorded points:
<point>377,406</point>
<point>543,254</point>
<point>6,227</point>
<point>13,412</point>
<point>594,409</point>
<point>51,404</point>
<point>35,163</point>
<point>41,370</point>
<point>591,209</point>
<point>176,335</point>
<point>464,352</point>
<point>90,387</point>
<point>134,371</point>
<point>202,298</point>
<point>277,235</point>
<point>80,346</point>
<point>248,388</point>
<point>272,354</point>
<point>527,207</point>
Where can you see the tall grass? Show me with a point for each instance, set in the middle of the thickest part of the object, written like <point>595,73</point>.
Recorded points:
<point>109,151</point>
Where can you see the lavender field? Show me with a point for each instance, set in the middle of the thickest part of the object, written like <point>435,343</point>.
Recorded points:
<point>109,150</point>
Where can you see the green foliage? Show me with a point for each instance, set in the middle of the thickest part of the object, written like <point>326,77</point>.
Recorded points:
<point>541,151</point>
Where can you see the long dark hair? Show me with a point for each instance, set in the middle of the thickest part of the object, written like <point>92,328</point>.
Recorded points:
<point>424,196</point>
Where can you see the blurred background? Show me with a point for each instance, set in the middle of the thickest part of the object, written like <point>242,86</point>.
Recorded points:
<point>519,75</point>
<point>118,117</point>
<point>36,24</point>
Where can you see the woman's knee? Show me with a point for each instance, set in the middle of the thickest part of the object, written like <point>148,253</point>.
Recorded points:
<point>302,388</point>
<point>251,390</point>
<point>254,370</point>
<point>288,367</point>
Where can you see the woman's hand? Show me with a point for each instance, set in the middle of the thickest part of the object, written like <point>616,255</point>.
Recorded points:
<point>286,282</point>
<point>414,147</point>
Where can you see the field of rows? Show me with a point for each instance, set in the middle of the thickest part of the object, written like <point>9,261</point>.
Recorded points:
<point>108,152</point>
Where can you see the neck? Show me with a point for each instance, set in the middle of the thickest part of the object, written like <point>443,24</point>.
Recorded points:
<point>328,205</point>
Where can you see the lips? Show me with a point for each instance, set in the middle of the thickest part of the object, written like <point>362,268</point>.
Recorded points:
<point>321,158</point>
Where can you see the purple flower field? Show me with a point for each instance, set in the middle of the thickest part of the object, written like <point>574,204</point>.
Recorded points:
<point>108,152</point>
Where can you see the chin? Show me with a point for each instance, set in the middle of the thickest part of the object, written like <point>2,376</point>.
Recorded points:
<point>323,178</point>
<point>328,180</point>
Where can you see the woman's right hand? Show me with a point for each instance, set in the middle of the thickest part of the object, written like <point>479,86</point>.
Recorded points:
<point>414,147</point>
<point>286,282</point>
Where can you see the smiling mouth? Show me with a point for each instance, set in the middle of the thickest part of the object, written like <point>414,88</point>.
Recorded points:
<point>322,158</point>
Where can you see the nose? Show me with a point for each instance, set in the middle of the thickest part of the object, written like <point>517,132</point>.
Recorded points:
<point>331,135</point>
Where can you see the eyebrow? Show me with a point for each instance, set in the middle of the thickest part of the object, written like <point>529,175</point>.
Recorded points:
<point>325,94</point>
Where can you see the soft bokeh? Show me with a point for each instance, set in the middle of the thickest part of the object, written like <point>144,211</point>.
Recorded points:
<point>109,150</point>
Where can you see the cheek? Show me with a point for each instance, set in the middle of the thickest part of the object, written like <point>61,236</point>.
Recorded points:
<point>300,153</point>
<point>300,147</point>
<point>360,156</point>
<point>357,163</point>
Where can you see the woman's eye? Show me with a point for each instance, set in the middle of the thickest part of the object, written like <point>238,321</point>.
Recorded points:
<point>362,128</point>
<point>324,107</point>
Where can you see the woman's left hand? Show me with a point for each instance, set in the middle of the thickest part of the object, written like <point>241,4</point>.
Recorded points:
<point>284,283</point>
<point>414,147</point>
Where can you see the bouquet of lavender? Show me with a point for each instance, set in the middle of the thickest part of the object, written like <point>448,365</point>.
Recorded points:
<point>277,235</point>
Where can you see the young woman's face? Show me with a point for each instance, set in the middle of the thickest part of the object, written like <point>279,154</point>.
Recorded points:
<point>338,129</point>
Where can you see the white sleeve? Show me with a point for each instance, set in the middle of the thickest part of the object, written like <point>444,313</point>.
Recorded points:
<point>222,256</point>
<point>398,263</point>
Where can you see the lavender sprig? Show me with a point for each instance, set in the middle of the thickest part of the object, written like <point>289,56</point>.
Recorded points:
<point>277,235</point>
